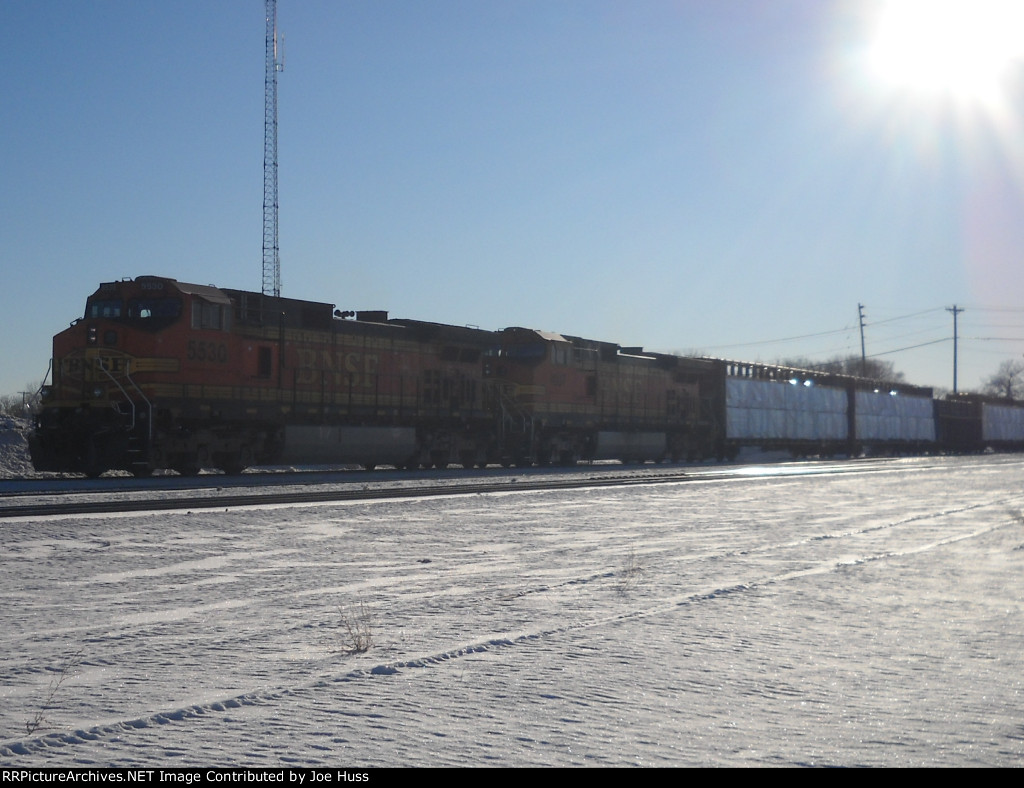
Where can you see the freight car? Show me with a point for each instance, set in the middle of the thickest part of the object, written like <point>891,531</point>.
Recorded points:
<point>163,374</point>
<point>816,413</point>
<point>974,422</point>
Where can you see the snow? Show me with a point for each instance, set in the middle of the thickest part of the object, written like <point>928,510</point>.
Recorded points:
<point>863,618</point>
<point>14,459</point>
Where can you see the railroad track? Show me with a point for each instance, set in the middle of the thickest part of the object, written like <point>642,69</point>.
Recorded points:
<point>51,508</point>
<point>523,483</point>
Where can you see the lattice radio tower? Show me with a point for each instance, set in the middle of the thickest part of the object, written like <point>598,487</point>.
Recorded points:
<point>271,250</point>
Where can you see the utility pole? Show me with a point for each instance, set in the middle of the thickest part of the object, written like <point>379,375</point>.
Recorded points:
<point>956,311</point>
<point>863,355</point>
<point>271,250</point>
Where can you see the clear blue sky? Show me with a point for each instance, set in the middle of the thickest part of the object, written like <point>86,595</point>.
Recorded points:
<point>686,175</point>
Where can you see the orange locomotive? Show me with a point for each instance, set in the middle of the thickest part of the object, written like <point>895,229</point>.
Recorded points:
<point>583,399</point>
<point>162,374</point>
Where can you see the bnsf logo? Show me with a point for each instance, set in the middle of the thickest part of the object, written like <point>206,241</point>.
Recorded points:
<point>338,368</point>
<point>81,367</point>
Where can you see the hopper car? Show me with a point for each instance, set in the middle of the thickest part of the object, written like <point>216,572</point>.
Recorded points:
<point>160,374</point>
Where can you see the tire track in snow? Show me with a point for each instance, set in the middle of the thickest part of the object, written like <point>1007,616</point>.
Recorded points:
<point>767,548</point>
<point>1018,499</point>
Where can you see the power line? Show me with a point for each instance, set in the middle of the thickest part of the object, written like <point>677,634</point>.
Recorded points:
<point>909,347</point>
<point>784,339</point>
<point>907,334</point>
<point>905,317</point>
<point>851,331</point>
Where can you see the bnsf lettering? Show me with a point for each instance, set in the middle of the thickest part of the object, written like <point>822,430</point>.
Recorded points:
<point>76,366</point>
<point>73,366</point>
<point>113,364</point>
<point>199,350</point>
<point>339,369</point>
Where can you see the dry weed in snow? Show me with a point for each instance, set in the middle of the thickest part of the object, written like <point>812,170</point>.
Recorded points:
<point>358,635</point>
<point>629,575</point>
<point>37,719</point>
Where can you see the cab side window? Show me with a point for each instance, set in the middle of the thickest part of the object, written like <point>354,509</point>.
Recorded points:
<point>265,362</point>
<point>207,315</point>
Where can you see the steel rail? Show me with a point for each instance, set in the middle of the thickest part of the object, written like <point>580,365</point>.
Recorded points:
<point>396,493</point>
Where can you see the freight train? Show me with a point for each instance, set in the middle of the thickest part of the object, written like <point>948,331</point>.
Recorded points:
<point>160,374</point>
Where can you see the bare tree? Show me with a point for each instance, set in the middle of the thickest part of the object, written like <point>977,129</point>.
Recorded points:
<point>1006,382</point>
<point>873,368</point>
<point>23,402</point>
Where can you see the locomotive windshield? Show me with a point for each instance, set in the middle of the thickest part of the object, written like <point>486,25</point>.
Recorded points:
<point>146,312</point>
<point>154,308</point>
<point>104,307</point>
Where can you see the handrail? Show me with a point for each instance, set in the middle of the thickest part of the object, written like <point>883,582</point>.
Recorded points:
<point>105,371</point>
<point>42,385</point>
<point>510,408</point>
<point>149,405</point>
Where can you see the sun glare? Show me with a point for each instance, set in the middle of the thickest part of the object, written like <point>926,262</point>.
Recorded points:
<point>958,48</point>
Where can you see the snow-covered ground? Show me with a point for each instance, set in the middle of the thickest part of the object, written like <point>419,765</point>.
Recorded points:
<point>14,458</point>
<point>856,619</point>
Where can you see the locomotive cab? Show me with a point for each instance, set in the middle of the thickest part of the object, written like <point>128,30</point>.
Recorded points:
<point>98,411</point>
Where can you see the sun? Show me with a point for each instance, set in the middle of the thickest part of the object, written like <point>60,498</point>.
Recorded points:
<point>962,49</point>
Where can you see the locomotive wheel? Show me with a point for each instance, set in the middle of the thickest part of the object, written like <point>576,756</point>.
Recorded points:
<point>187,465</point>
<point>237,463</point>
<point>93,468</point>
